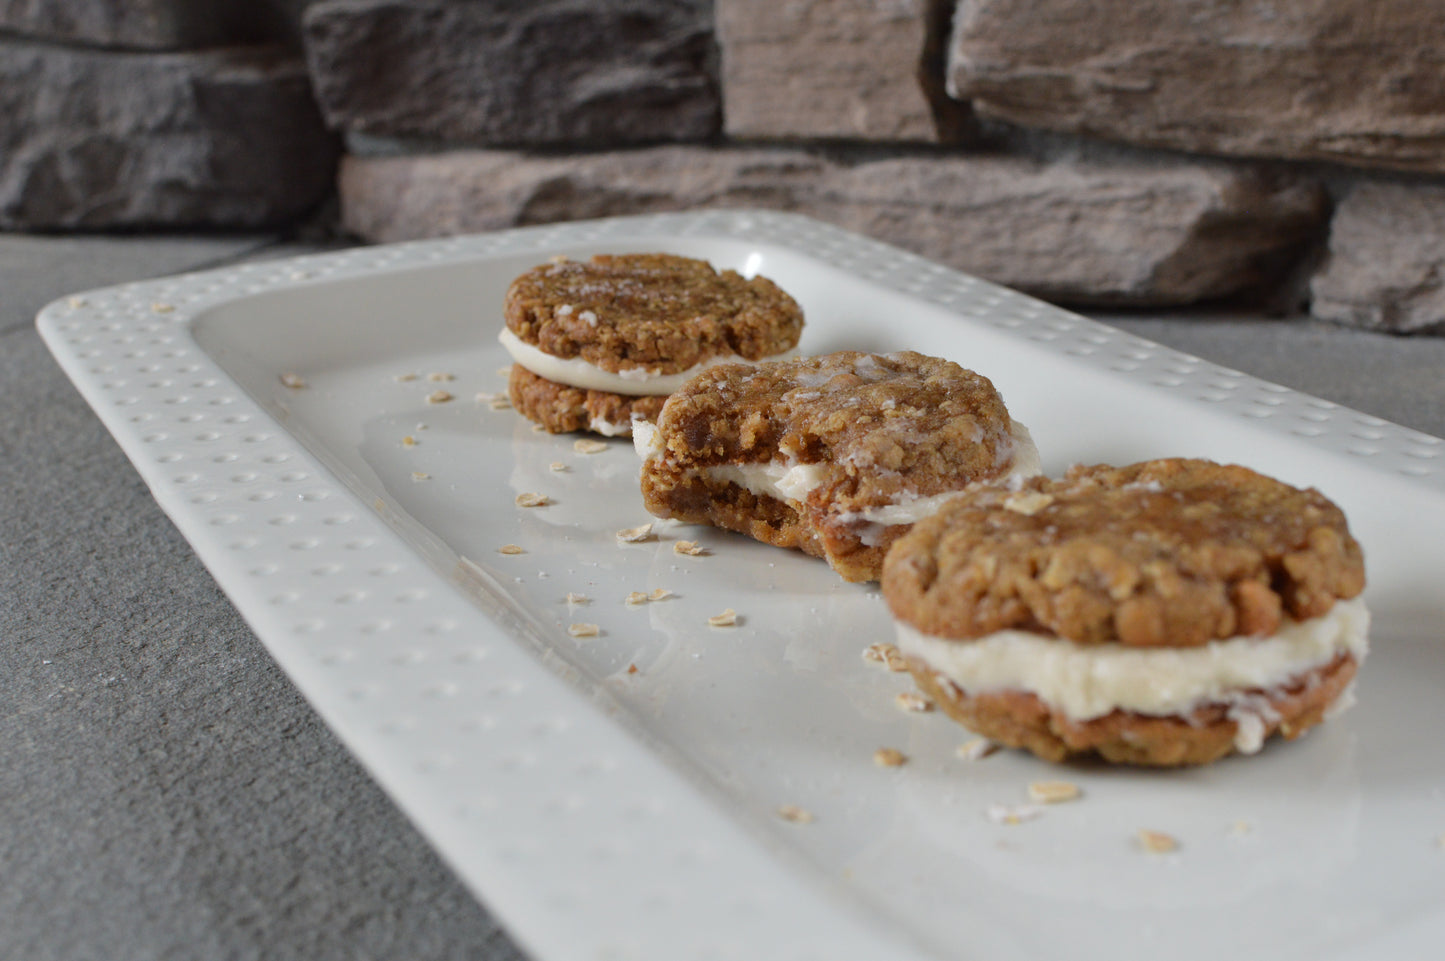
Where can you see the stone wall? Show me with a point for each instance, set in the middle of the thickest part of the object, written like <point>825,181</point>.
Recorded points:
<point>157,113</point>
<point>1291,154</point>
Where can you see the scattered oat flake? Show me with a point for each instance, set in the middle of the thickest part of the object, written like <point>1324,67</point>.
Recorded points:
<point>583,630</point>
<point>558,466</point>
<point>294,381</point>
<point>1054,792</point>
<point>505,371</point>
<point>635,535</point>
<point>533,500</point>
<point>438,397</point>
<point>690,548</point>
<point>500,403</point>
<point>1013,813</point>
<point>728,618</point>
<point>573,598</point>
<point>418,475</point>
<point>635,598</point>
<point>440,378</point>
<point>485,396</point>
<point>589,446</point>
<point>161,308</point>
<point>913,701</point>
<point>539,429</point>
<point>889,757</point>
<point>1157,842</point>
<point>511,549</point>
<point>408,441</point>
<point>878,653</point>
<point>795,814</point>
<point>659,593</point>
<point>976,749</point>
<point>403,378</point>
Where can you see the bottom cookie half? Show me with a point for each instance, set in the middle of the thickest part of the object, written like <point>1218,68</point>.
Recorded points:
<point>723,504</point>
<point>1020,719</point>
<point>562,409</point>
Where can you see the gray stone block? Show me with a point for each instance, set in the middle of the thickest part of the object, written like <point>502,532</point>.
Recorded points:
<point>516,71</point>
<point>224,137</point>
<point>151,24</point>
<point>1117,232</point>
<point>1351,81</point>
<point>1386,263</point>
<point>837,69</point>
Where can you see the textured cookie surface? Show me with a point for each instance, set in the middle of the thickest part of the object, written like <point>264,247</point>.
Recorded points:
<point>1171,552</point>
<point>656,311</point>
<point>874,430</point>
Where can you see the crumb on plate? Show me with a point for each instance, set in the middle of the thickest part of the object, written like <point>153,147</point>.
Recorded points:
<point>889,757</point>
<point>1157,842</point>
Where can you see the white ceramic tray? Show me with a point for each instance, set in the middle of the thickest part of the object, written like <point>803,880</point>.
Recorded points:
<point>603,812</point>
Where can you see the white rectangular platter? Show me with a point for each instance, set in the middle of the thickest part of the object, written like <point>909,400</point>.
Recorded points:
<point>618,796</point>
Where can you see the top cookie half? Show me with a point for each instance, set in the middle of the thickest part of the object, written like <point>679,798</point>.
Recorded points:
<point>1172,552</point>
<point>641,315</point>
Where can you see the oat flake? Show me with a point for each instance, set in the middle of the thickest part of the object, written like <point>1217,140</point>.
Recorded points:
<point>635,535</point>
<point>913,701</point>
<point>728,618</point>
<point>1054,792</point>
<point>976,749</point>
<point>1157,842</point>
<point>795,814</point>
<point>889,757</point>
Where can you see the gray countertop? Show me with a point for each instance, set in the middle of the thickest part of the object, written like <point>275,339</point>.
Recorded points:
<point>165,791</point>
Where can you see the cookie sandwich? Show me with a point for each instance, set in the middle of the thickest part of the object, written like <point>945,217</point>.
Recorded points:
<point>1165,613</point>
<point>596,343</point>
<point>835,455</point>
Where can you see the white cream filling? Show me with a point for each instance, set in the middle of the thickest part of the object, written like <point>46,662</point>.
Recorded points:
<point>645,439</point>
<point>1087,681</point>
<point>773,479</point>
<point>633,382</point>
<point>793,482</point>
<point>608,429</point>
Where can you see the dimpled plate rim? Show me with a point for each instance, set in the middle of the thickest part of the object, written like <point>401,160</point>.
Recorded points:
<point>698,885</point>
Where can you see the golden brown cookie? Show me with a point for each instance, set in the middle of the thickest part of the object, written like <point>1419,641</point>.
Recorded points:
<point>1168,612</point>
<point>596,342</point>
<point>835,456</point>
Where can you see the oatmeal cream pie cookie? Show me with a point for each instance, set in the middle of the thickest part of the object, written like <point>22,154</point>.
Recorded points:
<point>596,343</point>
<point>834,455</point>
<point>1164,613</point>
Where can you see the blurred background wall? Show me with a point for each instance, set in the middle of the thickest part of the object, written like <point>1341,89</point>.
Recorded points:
<point>1286,154</point>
